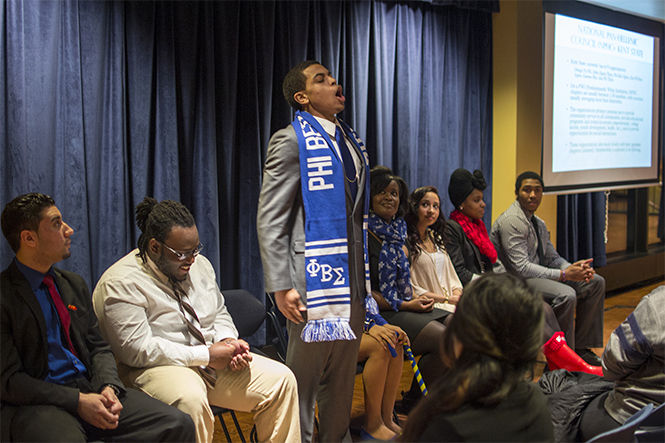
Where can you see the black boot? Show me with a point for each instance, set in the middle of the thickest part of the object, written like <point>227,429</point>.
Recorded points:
<point>409,399</point>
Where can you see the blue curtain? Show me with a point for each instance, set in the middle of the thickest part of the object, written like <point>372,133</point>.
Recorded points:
<point>661,215</point>
<point>104,103</point>
<point>660,229</point>
<point>581,227</point>
<point>432,95</point>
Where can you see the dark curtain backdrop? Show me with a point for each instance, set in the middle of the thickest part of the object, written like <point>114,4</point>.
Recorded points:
<point>661,206</point>
<point>104,103</point>
<point>581,227</point>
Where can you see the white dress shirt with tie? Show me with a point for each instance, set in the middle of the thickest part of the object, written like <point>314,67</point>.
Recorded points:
<point>142,321</point>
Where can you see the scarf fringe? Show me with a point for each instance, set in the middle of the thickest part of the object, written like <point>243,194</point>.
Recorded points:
<point>327,329</point>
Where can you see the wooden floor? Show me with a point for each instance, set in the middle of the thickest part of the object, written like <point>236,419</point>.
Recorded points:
<point>617,308</point>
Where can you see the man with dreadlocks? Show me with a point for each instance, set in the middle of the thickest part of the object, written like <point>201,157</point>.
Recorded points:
<point>165,318</point>
<point>59,378</point>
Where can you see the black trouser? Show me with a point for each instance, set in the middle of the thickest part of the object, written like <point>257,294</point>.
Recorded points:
<point>595,420</point>
<point>142,419</point>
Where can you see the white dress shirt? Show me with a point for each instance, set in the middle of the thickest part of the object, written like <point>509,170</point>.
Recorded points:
<point>142,321</point>
<point>330,129</point>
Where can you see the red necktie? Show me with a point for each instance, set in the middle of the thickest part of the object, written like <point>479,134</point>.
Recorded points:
<point>60,308</point>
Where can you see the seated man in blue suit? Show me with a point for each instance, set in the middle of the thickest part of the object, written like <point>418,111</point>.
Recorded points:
<point>59,377</point>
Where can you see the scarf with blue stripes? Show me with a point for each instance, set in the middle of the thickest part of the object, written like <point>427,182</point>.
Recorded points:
<point>326,243</point>
<point>394,271</point>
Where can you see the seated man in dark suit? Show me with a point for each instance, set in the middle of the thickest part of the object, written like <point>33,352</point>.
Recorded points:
<point>59,377</point>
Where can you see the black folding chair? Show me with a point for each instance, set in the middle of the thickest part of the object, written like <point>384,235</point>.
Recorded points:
<point>279,336</point>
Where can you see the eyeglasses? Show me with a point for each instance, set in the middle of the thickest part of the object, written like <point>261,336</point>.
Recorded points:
<point>182,256</point>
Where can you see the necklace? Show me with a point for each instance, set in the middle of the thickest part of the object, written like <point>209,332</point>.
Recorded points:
<point>436,273</point>
<point>430,248</point>
<point>428,244</point>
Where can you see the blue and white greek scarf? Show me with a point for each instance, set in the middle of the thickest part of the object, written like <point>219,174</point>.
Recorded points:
<point>394,271</point>
<point>326,250</point>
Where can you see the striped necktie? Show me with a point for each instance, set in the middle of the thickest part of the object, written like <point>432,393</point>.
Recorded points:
<point>207,373</point>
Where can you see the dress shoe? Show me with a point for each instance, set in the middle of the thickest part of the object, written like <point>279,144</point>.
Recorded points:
<point>589,357</point>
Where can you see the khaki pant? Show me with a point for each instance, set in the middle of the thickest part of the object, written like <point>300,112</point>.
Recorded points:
<point>268,389</point>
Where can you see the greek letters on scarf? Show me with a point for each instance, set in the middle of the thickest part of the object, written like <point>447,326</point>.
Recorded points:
<point>394,273</point>
<point>326,244</point>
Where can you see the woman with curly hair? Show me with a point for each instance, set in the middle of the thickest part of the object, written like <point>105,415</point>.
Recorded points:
<point>432,271</point>
<point>390,276</point>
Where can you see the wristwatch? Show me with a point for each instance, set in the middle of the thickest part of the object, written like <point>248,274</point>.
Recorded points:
<point>112,386</point>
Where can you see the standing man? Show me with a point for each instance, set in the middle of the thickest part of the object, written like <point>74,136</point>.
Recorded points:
<point>311,217</point>
<point>59,378</point>
<point>575,291</point>
<point>164,316</point>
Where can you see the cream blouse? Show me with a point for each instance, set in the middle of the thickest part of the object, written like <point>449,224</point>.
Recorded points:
<point>434,272</point>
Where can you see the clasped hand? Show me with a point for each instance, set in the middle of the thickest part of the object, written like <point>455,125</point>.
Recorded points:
<point>418,304</point>
<point>231,353</point>
<point>100,410</point>
<point>581,270</point>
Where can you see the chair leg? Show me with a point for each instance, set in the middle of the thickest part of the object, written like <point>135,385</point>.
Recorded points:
<point>281,341</point>
<point>226,431</point>
<point>395,417</point>
<point>238,428</point>
<point>219,412</point>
